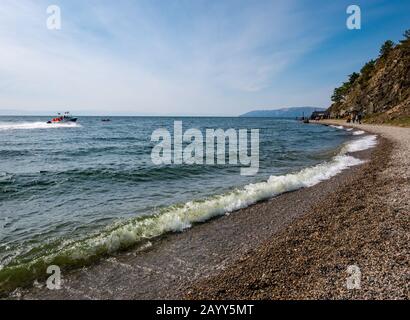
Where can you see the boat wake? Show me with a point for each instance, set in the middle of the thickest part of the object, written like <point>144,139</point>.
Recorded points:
<point>35,125</point>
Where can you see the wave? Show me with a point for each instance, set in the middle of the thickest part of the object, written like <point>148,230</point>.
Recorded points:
<point>358,132</point>
<point>5,177</point>
<point>174,219</point>
<point>337,127</point>
<point>36,125</point>
<point>165,172</point>
<point>361,144</point>
<point>355,133</point>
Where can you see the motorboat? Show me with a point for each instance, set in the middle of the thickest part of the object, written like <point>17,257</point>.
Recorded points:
<point>65,118</point>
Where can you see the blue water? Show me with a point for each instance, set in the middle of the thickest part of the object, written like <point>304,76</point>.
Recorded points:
<point>62,184</point>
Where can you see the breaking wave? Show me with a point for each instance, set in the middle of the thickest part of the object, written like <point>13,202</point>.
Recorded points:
<point>174,219</point>
<point>358,132</point>
<point>361,144</point>
<point>355,133</point>
<point>337,127</point>
<point>36,125</point>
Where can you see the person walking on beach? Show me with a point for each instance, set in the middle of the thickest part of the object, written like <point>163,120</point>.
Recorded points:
<point>359,118</point>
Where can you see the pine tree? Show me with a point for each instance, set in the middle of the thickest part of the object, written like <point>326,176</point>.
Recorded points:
<point>353,77</point>
<point>386,48</point>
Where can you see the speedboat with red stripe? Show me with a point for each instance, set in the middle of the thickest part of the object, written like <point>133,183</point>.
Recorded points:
<point>65,118</point>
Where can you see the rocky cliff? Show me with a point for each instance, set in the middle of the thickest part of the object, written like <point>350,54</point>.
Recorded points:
<point>381,91</point>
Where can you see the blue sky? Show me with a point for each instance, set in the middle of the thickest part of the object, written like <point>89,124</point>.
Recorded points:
<point>184,57</point>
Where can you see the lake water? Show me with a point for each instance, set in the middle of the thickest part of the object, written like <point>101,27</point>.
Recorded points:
<point>71,193</point>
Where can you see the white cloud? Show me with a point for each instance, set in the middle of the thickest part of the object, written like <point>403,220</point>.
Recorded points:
<point>128,59</point>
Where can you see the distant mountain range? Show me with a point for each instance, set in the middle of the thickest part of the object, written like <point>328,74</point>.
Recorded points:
<point>291,112</point>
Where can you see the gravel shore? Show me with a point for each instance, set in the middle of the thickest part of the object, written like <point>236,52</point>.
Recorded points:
<point>296,245</point>
<point>364,223</point>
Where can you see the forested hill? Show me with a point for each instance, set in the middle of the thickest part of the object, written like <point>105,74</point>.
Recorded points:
<point>381,90</point>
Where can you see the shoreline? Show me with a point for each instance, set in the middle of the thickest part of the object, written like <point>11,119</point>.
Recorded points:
<point>366,225</point>
<point>176,261</point>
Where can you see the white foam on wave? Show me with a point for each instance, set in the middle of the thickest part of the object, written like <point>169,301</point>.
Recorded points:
<point>361,144</point>
<point>179,218</point>
<point>358,132</point>
<point>36,125</point>
<point>337,127</point>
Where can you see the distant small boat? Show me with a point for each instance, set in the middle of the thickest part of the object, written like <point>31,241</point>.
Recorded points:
<point>105,120</point>
<point>66,118</point>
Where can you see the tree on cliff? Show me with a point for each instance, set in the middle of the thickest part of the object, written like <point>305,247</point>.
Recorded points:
<point>340,92</point>
<point>366,70</point>
<point>406,34</point>
<point>337,95</point>
<point>353,77</point>
<point>386,48</point>
<point>406,41</point>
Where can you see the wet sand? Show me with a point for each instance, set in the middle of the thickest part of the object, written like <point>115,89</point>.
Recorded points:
<point>296,245</point>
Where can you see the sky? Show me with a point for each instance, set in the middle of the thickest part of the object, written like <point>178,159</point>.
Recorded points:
<point>184,57</point>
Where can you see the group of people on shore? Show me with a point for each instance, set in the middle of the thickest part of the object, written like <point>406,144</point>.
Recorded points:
<point>357,117</point>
